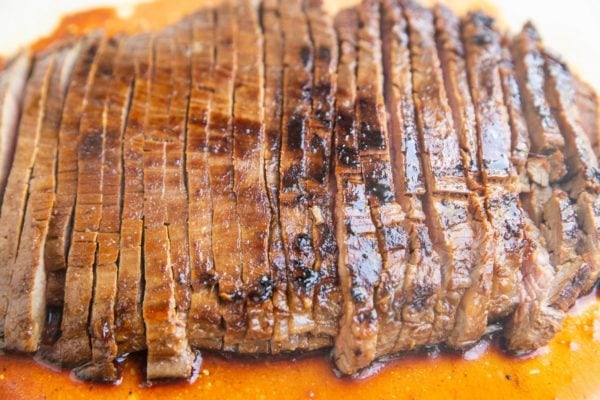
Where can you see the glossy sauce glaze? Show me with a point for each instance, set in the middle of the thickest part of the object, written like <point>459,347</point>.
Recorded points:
<point>566,369</point>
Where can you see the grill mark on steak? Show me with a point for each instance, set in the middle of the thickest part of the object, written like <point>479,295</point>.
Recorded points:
<point>529,66</point>
<point>13,79</point>
<point>484,55</point>
<point>582,162</point>
<point>293,200</point>
<point>422,280</point>
<point>73,346</point>
<point>451,54</point>
<point>102,320</point>
<point>25,306</point>
<point>318,146</point>
<point>225,224</point>
<point>204,322</point>
<point>359,261</point>
<point>57,243</point>
<point>273,58</point>
<point>520,142</point>
<point>12,217</point>
<point>129,324</point>
<point>169,355</point>
<point>249,185</point>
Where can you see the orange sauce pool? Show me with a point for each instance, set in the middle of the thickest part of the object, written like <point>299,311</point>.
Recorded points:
<point>567,369</point>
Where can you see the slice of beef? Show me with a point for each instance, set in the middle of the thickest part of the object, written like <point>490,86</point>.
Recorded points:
<point>562,233</point>
<point>129,324</point>
<point>294,215</point>
<point>204,322</point>
<point>535,321</point>
<point>57,243</point>
<point>225,224</point>
<point>452,59</point>
<point>422,279</point>
<point>520,143</point>
<point>169,355</point>
<point>587,104</point>
<point>175,195</point>
<point>55,288</point>
<point>440,153</point>
<point>13,78</point>
<point>529,66</point>
<point>393,228</point>
<point>581,160</point>
<point>102,319</point>
<point>273,45</point>
<point>359,260</point>
<point>250,189</point>
<point>17,186</point>
<point>483,52</point>
<point>27,307</point>
<point>73,347</point>
<point>327,299</point>
<point>484,55</point>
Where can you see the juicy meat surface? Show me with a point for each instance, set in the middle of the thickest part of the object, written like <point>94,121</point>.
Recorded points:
<point>262,177</point>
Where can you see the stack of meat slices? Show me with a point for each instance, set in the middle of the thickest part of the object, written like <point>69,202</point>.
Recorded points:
<point>265,178</point>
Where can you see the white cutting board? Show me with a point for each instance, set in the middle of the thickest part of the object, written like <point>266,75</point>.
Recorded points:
<point>572,28</point>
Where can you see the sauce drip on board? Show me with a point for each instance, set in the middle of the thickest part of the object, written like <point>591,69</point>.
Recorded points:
<point>566,369</point>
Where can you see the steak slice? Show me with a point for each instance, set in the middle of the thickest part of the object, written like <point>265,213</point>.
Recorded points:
<point>73,347</point>
<point>169,355</point>
<point>581,160</point>
<point>250,190</point>
<point>392,227</point>
<point>273,98</point>
<point>359,260</point>
<point>520,143</point>
<point>129,324</point>
<point>12,218</point>
<point>588,216</point>
<point>13,78</point>
<point>422,281</point>
<point>318,145</point>
<point>27,305</point>
<point>225,223</point>
<point>102,319</point>
<point>293,202</point>
<point>441,167</point>
<point>529,66</point>
<point>204,321</point>
<point>452,59</point>
<point>484,57</point>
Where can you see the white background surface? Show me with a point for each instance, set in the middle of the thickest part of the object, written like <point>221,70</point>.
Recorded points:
<point>572,27</point>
